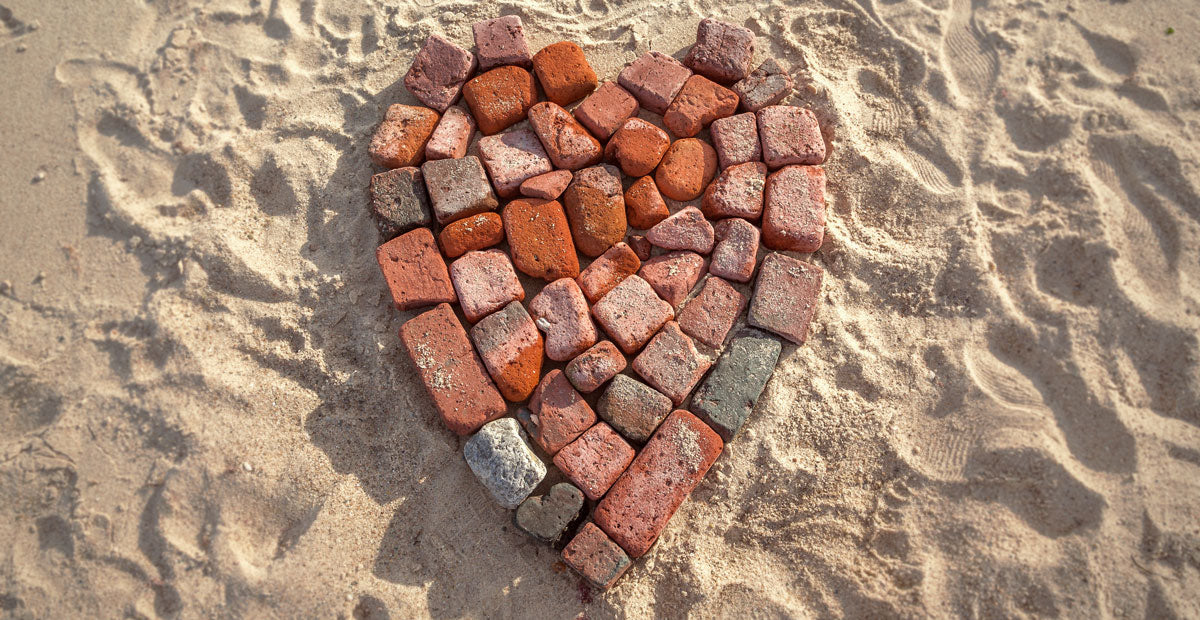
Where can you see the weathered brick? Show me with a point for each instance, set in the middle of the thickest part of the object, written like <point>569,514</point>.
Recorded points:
<point>710,315</point>
<point>548,186</point>
<point>595,557</point>
<point>502,460</point>
<point>686,229</point>
<point>545,517</point>
<point>673,275</point>
<point>786,296</point>
<point>633,408</point>
<point>654,79</point>
<point>789,135</point>
<point>687,168</point>
<point>564,72</point>
<point>644,205</point>
<point>670,363</point>
<point>728,394</point>
<point>767,85</point>
<point>415,272</point>
<point>511,348</point>
<point>569,145</point>
<point>734,256</point>
<point>605,110</point>
<point>637,147</point>
<point>794,209</point>
<point>723,51</point>
<point>737,192</point>
<point>485,282</point>
<point>736,139</point>
<point>452,135</point>
<point>399,202</point>
<point>557,413</point>
<point>539,239</point>
<point>641,246</point>
<point>511,158</point>
<point>595,460</point>
<point>500,98</point>
<point>631,313</point>
<point>438,72</point>
<point>501,41</point>
<point>453,375</point>
<point>596,209</point>
<point>592,368</point>
<point>401,137</point>
<point>642,501</point>
<point>561,312</point>
<point>700,102</point>
<point>616,264</point>
<point>458,188</point>
<point>474,232</point>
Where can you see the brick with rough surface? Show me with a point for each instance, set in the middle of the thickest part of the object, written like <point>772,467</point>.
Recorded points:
<point>710,315</point>
<point>736,192</point>
<point>631,313</point>
<point>539,239</point>
<point>511,158</point>
<point>500,98</point>
<point>595,460</point>
<point>596,209</point>
<point>438,72</point>
<point>641,246</point>
<point>671,363</point>
<point>415,273</point>
<point>686,229</point>
<point>767,85</point>
<point>786,296</point>
<point>700,102</point>
<point>502,460</point>
<point>637,147</point>
<point>545,517</point>
<point>401,138</point>
<point>569,145</point>
<point>728,394</point>
<point>501,41</point>
<point>399,202</point>
<point>592,368</point>
<point>633,408</point>
<point>511,348</point>
<point>458,188</point>
<point>736,139</point>
<point>596,558</point>
<point>790,135</point>
<point>564,72</point>
<point>673,275</point>
<point>452,136</point>
<point>794,209</point>
<point>687,168</point>
<point>474,232</point>
<point>561,312</point>
<point>654,78</point>
<point>736,251</point>
<point>615,264</point>
<point>723,51</point>
<point>606,109</point>
<point>485,282</point>
<point>548,186</point>
<point>557,413</point>
<point>644,204</point>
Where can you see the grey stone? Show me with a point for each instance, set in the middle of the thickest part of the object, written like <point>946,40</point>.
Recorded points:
<point>399,202</point>
<point>458,188</point>
<point>503,461</point>
<point>767,85</point>
<point>546,517</point>
<point>633,408</point>
<point>727,396</point>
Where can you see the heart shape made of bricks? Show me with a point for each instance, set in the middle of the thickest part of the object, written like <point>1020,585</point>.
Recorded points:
<point>677,405</point>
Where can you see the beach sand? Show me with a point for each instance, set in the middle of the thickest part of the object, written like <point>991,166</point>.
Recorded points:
<point>205,410</point>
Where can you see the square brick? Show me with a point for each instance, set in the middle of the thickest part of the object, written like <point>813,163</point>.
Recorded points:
<point>511,348</point>
<point>723,51</point>
<point>728,394</point>
<point>654,79</point>
<point>564,72</point>
<point>458,188</point>
<point>671,363</point>
<point>605,110</point>
<point>673,275</point>
<point>500,98</point>
<point>734,256</point>
<point>595,557</point>
<point>794,209</point>
<point>415,272</point>
<point>513,157</point>
<point>595,460</point>
<point>710,315</point>
<point>557,413</point>
<point>485,281</point>
<point>633,408</point>
<point>438,72</point>
<point>700,102</point>
<point>615,264</point>
<point>736,139</point>
<point>786,296</point>
<point>767,85</point>
<point>401,138</point>
<point>501,41</point>
<point>399,202</point>
<point>736,192</point>
<point>592,368</point>
<point>631,313</point>
<point>790,135</point>
<point>452,136</point>
<point>569,145</point>
<point>561,312</point>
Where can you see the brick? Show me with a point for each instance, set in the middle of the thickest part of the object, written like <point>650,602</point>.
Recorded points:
<point>686,229</point>
<point>569,145</point>
<point>438,72</point>
<point>673,275</point>
<point>637,147</point>
<point>642,501</point>
<point>474,232</point>
<point>631,313</point>
<point>511,349</point>
<point>790,135</point>
<point>596,209</point>
<point>502,460</point>
<point>564,72</point>
<point>595,460</point>
<point>561,312</point>
<point>644,204</point>
<point>605,110</point>
<point>700,102</point>
<point>794,209</point>
<point>616,264</point>
<point>557,413</point>
<point>511,158</point>
<point>399,202</point>
<point>723,52</point>
<point>596,558</point>
<point>633,408</point>
<point>400,140</point>
<point>641,246</point>
<point>458,188</point>
<point>671,364</point>
<point>539,239</point>
<point>654,79</point>
<point>736,192</point>
<point>736,139</point>
<point>687,168</point>
<point>452,135</point>
<point>415,272</point>
<point>729,393</point>
<point>454,377</point>
<point>767,85</point>
<point>501,41</point>
<point>545,517</point>
<point>736,250</point>
<point>785,296</point>
<point>592,368</point>
<point>548,186</point>
<point>485,282</point>
<point>500,98</point>
<point>710,315</point>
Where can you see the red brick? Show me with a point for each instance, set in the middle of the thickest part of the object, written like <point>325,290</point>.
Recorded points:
<point>500,98</point>
<point>789,135</point>
<point>595,460</point>
<point>606,109</point>
<point>548,186</point>
<point>501,41</point>
<point>786,296</point>
<point>736,139</point>
<point>642,501</point>
<point>794,211</point>
<point>654,79</point>
<point>453,376</point>
<point>569,145</point>
<point>511,158</point>
<point>475,232</point>
<point>539,239</point>
<point>767,85</point>
<point>438,71</point>
<point>401,138</point>
<point>616,264</point>
<point>564,72</point>
<point>592,368</point>
<point>734,255</point>
<point>723,51</point>
<point>511,348</point>
<point>687,168</point>
<point>559,413</point>
<point>631,313</point>
<point>671,363</point>
<point>686,229</point>
<point>561,312</point>
<point>485,282</point>
<point>673,275</point>
<point>595,557</point>
<point>641,246</point>
<point>596,209</point>
<point>452,135</point>
<point>737,192</point>
<point>710,315</point>
<point>415,272</point>
<point>637,147</point>
<point>644,205</point>
<point>700,102</point>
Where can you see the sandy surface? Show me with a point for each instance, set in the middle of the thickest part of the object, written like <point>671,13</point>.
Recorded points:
<point>205,411</point>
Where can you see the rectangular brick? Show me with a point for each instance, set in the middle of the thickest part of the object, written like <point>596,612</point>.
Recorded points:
<point>595,557</point>
<point>786,296</point>
<point>671,363</point>
<point>728,394</point>
<point>595,460</point>
<point>710,315</point>
<point>414,270</point>
<point>557,413</point>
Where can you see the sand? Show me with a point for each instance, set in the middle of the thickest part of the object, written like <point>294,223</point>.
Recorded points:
<point>206,411</point>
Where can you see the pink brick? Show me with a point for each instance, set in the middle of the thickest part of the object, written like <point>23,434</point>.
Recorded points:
<point>671,363</point>
<point>736,192</point>
<point>790,135</point>
<point>511,348</point>
<point>595,460</point>
<point>452,135</point>
<point>485,282</point>
<point>710,315</point>
<point>569,145</point>
<point>501,41</point>
<point>654,79</point>
<point>595,557</point>
<point>786,296</point>
<point>561,312</point>
<point>673,275</point>
<point>415,272</point>
<point>511,158</point>
<point>641,246</point>
<point>615,264</point>
<point>548,186</point>
<point>794,211</point>
<point>736,139</point>
<point>723,51</point>
<point>605,110</point>
<point>734,255</point>
<point>559,413</point>
<point>631,313</point>
<point>592,368</point>
<point>700,102</point>
<point>438,72</point>
<point>685,230</point>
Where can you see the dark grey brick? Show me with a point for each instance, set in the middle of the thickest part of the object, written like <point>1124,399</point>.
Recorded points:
<point>727,396</point>
<point>399,202</point>
<point>546,517</point>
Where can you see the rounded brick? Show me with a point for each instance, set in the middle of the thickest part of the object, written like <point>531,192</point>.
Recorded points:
<point>790,135</point>
<point>548,186</point>
<point>546,517</point>
<point>686,229</point>
<point>794,215</point>
<point>637,147</point>
<point>605,110</point>
<point>511,348</point>
<point>475,232</point>
<point>500,98</point>
<point>564,72</point>
<point>401,138</point>
<point>569,145</point>
<point>452,135</point>
<point>561,312</point>
<point>616,264</point>
<point>399,202</point>
<point>485,282</point>
<point>734,254</point>
<point>438,71</point>
<point>701,102</point>
<point>592,368</point>
<point>736,192</point>
<point>687,168</point>
<point>644,204</point>
<point>596,209</point>
<point>539,239</point>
